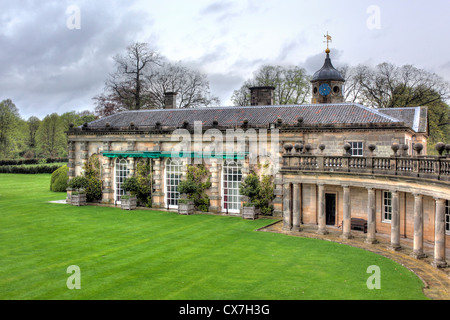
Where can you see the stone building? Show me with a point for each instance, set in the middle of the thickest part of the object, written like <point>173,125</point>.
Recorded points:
<point>331,161</point>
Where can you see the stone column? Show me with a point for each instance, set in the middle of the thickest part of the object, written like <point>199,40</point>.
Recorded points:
<point>215,197</point>
<point>158,194</point>
<point>131,166</point>
<point>439,235</point>
<point>418,227</point>
<point>322,229</point>
<point>346,225</point>
<point>287,221</point>
<point>395,222</point>
<point>371,217</point>
<point>296,206</point>
<point>108,187</point>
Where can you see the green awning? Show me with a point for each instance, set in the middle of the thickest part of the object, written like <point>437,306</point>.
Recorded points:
<point>170,154</point>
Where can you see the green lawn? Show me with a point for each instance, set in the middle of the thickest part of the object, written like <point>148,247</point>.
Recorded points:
<point>146,254</point>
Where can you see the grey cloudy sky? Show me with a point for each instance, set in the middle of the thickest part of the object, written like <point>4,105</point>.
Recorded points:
<point>47,67</point>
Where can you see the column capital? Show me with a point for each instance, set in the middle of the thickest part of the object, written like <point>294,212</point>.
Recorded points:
<point>417,195</point>
<point>439,200</point>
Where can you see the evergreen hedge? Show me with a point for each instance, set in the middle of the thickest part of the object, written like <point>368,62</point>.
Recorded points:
<point>16,162</point>
<point>58,181</point>
<point>29,169</point>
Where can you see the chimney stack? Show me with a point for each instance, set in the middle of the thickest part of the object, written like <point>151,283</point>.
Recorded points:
<point>261,96</point>
<point>170,100</point>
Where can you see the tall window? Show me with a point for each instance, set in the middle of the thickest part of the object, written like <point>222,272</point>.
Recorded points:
<point>232,175</point>
<point>173,177</point>
<point>356,148</point>
<point>121,173</point>
<point>387,206</point>
<point>447,216</point>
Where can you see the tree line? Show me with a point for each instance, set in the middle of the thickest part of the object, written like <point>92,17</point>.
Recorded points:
<point>142,76</point>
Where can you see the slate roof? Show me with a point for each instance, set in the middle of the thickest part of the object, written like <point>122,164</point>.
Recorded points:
<point>414,117</point>
<point>312,114</point>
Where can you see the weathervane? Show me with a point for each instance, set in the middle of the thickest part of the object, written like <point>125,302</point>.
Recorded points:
<point>328,37</point>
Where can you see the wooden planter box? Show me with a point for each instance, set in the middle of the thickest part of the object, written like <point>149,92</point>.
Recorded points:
<point>128,204</point>
<point>249,213</point>
<point>186,208</point>
<point>78,199</point>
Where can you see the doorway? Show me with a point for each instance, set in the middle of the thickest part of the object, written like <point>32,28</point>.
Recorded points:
<point>330,208</point>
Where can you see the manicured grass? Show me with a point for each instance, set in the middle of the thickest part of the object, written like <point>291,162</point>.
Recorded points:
<point>147,254</point>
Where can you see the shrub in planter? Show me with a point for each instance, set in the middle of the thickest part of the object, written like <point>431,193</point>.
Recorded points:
<point>78,198</point>
<point>128,201</point>
<point>58,181</point>
<point>259,193</point>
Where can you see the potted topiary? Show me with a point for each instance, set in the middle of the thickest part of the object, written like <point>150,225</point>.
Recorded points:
<point>250,188</point>
<point>76,193</point>
<point>128,201</point>
<point>186,188</point>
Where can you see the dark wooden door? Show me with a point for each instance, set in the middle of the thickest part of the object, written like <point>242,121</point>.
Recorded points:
<point>330,208</point>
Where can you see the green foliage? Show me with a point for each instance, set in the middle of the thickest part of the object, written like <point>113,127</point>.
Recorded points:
<point>50,136</point>
<point>92,174</point>
<point>58,181</point>
<point>195,185</point>
<point>144,181</point>
<point>22,169</point>
<point>130,185</point>
<point>79,182</point>
<point>259,192</point>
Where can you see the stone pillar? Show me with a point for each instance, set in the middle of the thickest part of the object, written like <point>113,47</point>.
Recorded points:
<point>371,217</point>
<point>287,221</point>
<point>395,222</point>
<point>158,194</point>
<point>84,147</point>
<point>215,197</point>
<point>322,229</point>
<point>131,166</point>
<point>418,227</point>
<point>347,223</point>
<point>108,187</point>
<point>439,235</point>
<point>296,206</point>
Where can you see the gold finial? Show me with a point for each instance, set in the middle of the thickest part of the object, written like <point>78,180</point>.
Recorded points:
<point>328,37</point>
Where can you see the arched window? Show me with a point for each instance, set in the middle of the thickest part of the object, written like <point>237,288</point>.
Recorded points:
<point>231,181</point>
<point>173,176</point>
<point>121,172</point>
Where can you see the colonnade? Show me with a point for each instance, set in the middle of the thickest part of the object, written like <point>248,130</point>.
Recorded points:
<point>292,217</point>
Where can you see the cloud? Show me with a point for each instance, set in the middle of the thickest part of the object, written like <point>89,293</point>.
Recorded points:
<point>47,67</point>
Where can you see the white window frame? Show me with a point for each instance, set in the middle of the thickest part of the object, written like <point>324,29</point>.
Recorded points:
<point>387,206</point>
<point>171,194</point>
<point>355,149</point>
<point>231,200</point>
<point>121,172</point>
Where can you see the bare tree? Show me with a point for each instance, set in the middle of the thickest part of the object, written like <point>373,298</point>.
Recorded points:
<point>191,86</point>
<point>142,77</point>
<point>389,86</point>
<point>292,85</point>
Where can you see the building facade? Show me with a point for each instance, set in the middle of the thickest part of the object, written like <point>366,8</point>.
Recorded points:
<point>330,161</point>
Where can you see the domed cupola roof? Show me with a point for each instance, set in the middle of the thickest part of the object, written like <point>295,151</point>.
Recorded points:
<point>327,72</point>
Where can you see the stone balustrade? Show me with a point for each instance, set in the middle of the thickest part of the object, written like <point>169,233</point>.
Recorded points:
<point>428,167</point>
